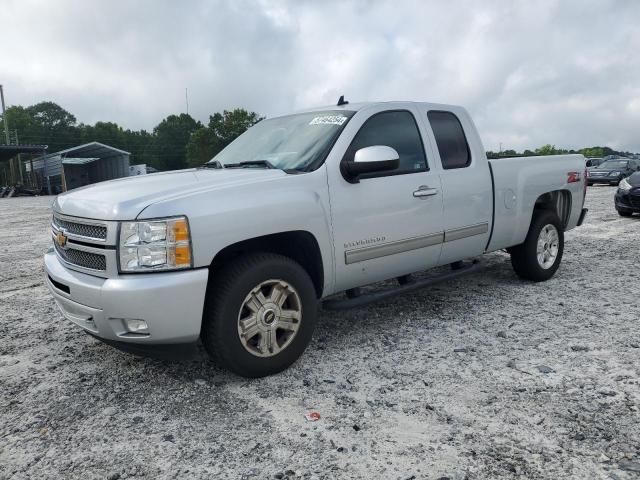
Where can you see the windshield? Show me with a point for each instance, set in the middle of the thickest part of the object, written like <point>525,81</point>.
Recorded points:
<point>614,164</point>
<point>294,142</point>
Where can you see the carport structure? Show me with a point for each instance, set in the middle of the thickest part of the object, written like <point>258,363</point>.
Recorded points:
<point>14,174</point>
<point>82,165</point>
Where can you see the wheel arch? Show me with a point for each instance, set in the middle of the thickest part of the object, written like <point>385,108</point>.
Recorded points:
<point>299,245</point>
<point>558,201</point>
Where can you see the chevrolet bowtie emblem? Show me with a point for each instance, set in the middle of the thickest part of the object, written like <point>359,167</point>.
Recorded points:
<point>61,239</point>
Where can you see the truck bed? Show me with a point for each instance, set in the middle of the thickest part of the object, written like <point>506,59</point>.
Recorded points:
<point>518,182</point>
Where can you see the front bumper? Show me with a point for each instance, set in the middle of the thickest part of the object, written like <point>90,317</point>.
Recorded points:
<point>171,303</point>
<point>628,201</point>
<point>606,180</point>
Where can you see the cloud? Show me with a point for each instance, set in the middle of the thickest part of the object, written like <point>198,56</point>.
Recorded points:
<point>560,72</point>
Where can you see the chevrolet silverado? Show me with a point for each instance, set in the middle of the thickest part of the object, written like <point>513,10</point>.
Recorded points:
<point>238,253</point>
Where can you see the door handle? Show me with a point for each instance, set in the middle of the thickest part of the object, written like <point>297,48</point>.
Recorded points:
<point>425,191</point>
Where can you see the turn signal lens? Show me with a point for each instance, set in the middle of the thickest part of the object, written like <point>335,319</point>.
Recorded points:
<point>180,230</point>
<point>183,256</point>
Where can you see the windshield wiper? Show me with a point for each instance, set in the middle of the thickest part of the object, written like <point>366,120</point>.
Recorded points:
<point>259,163</point>
<point>215,164</point>
<point>251,163</point>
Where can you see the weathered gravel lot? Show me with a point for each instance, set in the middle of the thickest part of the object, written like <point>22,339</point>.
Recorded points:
<point>484,377</point>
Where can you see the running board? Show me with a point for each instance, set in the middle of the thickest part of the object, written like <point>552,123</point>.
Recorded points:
<point>367,298</point>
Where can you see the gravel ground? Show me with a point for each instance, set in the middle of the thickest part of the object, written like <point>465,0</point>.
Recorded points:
<point>484,377</point>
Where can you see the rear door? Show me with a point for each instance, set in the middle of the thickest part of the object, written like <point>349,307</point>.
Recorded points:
<point>388,224</point>
<point>466,185</point>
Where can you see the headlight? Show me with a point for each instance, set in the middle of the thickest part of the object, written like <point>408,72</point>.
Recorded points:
<point>155,245</point>
<point>614,174</point>
<point>624,185</point>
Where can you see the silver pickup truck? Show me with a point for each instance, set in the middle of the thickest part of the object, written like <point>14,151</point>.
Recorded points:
<point>239,252</point>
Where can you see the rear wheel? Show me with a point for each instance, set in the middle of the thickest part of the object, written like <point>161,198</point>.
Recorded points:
<point>540,255</point>
<point>260,314</point>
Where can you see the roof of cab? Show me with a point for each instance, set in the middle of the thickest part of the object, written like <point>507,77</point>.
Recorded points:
<point>354,107</point>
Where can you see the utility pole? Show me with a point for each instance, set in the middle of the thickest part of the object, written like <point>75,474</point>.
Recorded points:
<point>4,116</point>
<point>6,130</point>
<point>186,98</point>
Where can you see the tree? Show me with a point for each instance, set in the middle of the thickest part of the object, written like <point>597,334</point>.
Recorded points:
<point>48,124</point>
<point>223,128</point>
<point>171,138</point>
<point>141,145</point>
<point>108,133</point>
<point>50,115</point>
<point>19,120</point>
<point>550,150</point>
<point>597,151</point>
<point>202,147</point>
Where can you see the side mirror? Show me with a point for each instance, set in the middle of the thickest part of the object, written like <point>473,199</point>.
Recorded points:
<point>377,158</point>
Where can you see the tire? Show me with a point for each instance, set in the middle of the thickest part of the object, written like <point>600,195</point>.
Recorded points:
<point>525,259</point>
<point>590,184</point>
<point>231,297</point>
<point>625,213</point>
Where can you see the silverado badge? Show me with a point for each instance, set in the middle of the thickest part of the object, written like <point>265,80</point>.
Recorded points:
<point>61,239</point>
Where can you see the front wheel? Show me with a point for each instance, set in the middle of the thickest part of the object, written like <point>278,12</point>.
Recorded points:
<point>625,213</point>
<point>539,256</point>
<point>260,314</point>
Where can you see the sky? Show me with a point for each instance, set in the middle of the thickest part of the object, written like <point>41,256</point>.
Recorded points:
<point>530,72</point>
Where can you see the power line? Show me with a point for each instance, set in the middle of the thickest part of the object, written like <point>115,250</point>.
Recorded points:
<point>40,140</point>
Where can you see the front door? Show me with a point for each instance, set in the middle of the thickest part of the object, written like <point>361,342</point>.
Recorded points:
<point>388,224</point>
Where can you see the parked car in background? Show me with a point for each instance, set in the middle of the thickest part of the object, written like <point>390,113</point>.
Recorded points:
<point>612,171</point>
<point>627,199</point>
<point>594,162</point>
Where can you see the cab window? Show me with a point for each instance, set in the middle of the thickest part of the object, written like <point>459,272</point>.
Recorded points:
<point>396,129</point>
<point>451,140</point>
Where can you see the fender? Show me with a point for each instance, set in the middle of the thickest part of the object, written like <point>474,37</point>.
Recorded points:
<point>222,217</point>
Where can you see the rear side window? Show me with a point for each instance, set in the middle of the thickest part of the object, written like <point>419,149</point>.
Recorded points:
<point>450,138</point>
<point>395,129</point>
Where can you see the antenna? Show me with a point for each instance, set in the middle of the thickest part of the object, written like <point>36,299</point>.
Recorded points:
<point>342,101</point>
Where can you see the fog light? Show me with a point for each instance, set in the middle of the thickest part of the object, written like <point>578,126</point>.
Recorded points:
<point>136,326</point>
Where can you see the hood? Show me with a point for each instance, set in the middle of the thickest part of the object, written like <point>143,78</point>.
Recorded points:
<point>600,168</point>
<point>125,198</point>
<point>607,170</point>
<point>634,180</point>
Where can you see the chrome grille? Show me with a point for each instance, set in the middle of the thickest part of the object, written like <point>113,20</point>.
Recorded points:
<point>87,230</point>
<point>93,261</point>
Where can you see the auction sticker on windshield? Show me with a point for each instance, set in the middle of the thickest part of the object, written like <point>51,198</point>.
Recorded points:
<point>328,120</point>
